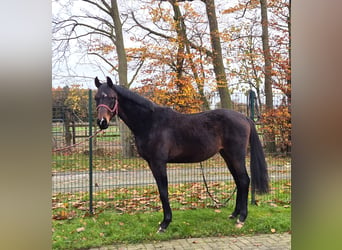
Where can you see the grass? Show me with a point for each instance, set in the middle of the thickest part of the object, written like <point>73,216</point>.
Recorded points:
<point>118,228</point>
<point>132,215</point>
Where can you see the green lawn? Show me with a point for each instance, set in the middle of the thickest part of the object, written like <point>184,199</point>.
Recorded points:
<point>116,228</point>
<point>131,215</point>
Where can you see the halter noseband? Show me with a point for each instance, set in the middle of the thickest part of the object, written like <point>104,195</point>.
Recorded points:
<point>115,110</point>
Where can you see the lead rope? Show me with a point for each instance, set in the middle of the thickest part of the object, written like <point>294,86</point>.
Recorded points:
<point>79,143</point>
<point>216,201</point>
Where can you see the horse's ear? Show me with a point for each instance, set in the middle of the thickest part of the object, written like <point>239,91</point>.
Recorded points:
<point>97,82</point>
<point>109,82</point>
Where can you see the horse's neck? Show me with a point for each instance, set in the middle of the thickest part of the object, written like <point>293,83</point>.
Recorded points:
<point>137,118</point>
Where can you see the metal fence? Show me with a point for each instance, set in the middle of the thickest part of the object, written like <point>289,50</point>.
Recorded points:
<point>90,175</point>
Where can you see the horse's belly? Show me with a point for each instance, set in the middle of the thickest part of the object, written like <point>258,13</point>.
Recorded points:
<point>191,155</point>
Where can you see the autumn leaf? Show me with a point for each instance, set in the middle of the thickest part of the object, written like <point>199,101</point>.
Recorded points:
<point>61,215</point>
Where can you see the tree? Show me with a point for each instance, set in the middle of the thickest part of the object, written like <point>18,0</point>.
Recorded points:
<point>267,55</point>
<point>218,65</point>
<point>97,31</point>
<point>259,43</point>
<point>184,52</point>
<point>280,22</point>
<point>221,79</point>
<point>170,61</point>
<point>103,28</point>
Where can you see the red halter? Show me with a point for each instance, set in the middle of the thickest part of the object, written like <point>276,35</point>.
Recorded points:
<point>115,110</point>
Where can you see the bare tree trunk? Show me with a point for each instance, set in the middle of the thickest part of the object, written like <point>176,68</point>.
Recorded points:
<point>288,149</point>
<point>290,59</point>
<point>125,133</point>
<point>269,138</point>
<point>221,79</point>
<point>119,43</point>
<point>267,55</point>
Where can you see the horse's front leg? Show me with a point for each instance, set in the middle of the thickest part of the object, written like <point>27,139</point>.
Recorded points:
<point>159,172</point>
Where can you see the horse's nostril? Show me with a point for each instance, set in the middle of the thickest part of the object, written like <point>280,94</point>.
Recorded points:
<point>102,123</point>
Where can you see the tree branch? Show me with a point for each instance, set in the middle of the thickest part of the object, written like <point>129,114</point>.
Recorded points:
<point>141,63</point>
<point>107,10</point>
<point>104,59</point>
<point>169,38</point>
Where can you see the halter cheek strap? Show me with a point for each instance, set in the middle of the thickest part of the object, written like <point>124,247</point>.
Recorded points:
<point>115,110</point>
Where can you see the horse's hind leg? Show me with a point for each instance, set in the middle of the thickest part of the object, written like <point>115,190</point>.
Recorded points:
<point>237,167</point>
<point>160,175</point>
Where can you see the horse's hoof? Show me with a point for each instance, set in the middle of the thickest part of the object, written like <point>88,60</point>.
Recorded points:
<point>231,217</point>
<point>161,230</point>
<point>239,224</point>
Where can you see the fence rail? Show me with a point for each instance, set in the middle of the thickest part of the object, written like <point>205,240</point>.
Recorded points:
<point>94,175</point>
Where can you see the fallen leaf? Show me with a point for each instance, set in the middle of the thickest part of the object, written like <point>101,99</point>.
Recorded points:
<point>80,229</point>
<point>62,215</point>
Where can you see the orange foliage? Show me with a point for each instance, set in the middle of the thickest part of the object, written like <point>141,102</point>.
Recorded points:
<point>278,122</point>
<point>73,98</point>
<point>178,94</point>
<point>241,6</point>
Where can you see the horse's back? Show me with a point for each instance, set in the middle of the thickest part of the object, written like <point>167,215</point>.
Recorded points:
<point>214,122</point>
<point>196,137</point>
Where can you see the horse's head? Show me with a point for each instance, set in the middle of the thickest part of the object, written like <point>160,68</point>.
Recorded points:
<point>106,102</point>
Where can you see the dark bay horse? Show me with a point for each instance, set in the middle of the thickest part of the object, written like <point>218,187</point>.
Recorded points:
<point>163,135</point>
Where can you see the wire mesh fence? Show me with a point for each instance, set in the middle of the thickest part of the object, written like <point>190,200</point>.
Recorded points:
<point>125,184</point>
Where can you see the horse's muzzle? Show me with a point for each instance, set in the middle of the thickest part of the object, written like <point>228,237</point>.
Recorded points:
<point>103,124</point>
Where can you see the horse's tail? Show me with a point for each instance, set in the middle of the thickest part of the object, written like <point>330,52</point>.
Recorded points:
<point>258,163</point>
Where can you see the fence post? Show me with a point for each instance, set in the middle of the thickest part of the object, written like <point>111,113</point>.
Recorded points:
<point>251,103</point>
<point>250,108</point>
<point>90,117</point>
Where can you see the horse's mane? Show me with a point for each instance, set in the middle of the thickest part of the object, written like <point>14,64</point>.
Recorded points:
<point>134,97</point>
